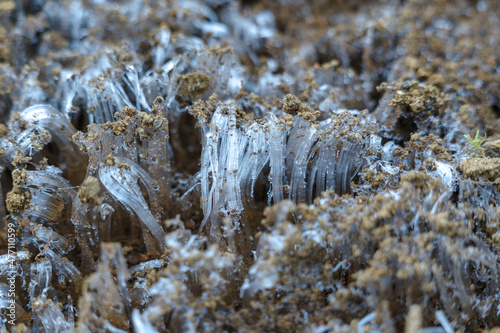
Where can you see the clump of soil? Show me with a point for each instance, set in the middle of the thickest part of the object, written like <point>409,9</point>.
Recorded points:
<point>89,191</point>
<point>19,198</point>
<point>417,97</point>
<point>110,160</point>
<point>193,85</point>
<point>291,104</point>
<point>485,168</point>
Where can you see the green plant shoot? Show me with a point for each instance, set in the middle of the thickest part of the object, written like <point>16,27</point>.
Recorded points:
<point>476,144</point>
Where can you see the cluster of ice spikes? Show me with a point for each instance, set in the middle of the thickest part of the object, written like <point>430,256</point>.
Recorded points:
<point>168,182</point>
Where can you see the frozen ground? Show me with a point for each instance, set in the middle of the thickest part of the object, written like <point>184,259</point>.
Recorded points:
<point>253,166</point>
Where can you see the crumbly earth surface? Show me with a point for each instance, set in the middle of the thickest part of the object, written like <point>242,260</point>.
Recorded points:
<point>250,166</point>
<point>487,168</point>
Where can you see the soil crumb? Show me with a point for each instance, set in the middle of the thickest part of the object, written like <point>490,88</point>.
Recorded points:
<point>291,104</point>
<point>89,192</point>
<point>19,198</point>
<point>193,85</point>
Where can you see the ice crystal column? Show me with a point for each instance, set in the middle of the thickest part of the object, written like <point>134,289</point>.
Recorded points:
<point>131,152</point>
<point>302,138</point>
<point>122,182</point>
<point>277,149</point>
<point>223,148</point>
<point>327,155</point>
<point>44,117</point>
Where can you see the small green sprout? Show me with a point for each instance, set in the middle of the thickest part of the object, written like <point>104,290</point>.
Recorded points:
<point>476,144</point>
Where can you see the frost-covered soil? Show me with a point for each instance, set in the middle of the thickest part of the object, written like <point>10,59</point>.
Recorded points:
<point>254,166</point>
